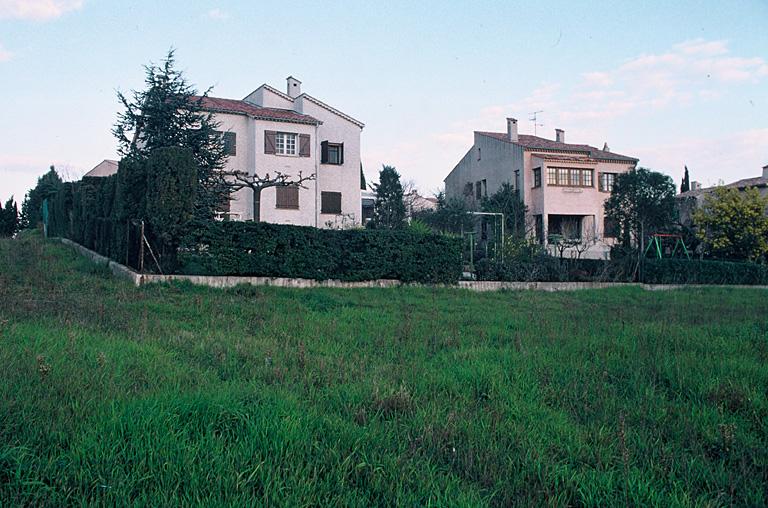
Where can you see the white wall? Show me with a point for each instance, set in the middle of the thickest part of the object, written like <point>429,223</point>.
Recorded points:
<point>343,178</point>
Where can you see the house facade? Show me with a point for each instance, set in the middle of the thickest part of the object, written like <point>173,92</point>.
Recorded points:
<point>563,185</point>
<point>292,133</point>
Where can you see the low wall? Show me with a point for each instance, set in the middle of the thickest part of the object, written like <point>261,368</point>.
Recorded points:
<point>223,281</point>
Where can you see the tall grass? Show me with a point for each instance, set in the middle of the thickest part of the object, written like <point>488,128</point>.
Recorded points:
<point>179,395</point>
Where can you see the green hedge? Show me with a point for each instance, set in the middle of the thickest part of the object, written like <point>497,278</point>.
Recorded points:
<point>273,250</point>
<point>681,271</point>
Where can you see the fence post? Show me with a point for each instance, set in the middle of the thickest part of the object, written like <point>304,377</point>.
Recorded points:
<point>141,249</point>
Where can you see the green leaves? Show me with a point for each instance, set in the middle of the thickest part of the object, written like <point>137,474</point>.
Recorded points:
<point>642,202</point>
<point>389,209</point>
<point>732,223</point>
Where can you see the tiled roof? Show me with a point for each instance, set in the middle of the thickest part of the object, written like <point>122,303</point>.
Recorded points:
<point>536,143</point>
<point>757,181</point>
<point>238,107</point>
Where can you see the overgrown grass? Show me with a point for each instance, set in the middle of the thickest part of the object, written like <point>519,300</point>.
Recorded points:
<point>179,395</point>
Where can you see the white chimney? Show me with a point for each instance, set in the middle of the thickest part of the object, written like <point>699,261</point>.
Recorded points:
<point>765,171</point>
<point>512,129</point>
<point>560,135</point>
<point>294,87</point>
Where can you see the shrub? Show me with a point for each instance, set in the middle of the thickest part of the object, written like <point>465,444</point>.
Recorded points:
<point>683,271</point>
<point>275,250</point>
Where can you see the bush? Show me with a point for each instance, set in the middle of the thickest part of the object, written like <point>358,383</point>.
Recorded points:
<point>545,268</point>
<point>683,271</point>
<point>275,250</point>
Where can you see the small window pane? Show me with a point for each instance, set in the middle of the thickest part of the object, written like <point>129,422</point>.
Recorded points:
<point>586,175</point>
<point>562,176</point>
<point>551,176</point>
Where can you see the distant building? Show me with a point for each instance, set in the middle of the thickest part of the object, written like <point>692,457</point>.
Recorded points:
<point>104,168</point>
<point>694,198</point>
<point>564,185</point>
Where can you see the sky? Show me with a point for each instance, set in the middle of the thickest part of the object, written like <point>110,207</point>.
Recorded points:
<point>671,83</point>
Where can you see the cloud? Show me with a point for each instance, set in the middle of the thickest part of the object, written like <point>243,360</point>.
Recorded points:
<point>728,157</point>
<point>5,55</point>
<point>217,14</point>
<point>37,9</point>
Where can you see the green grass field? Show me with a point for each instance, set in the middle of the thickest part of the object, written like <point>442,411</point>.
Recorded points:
<point>178,395</point>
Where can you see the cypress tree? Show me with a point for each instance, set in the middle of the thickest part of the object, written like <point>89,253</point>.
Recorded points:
<point>686,185</point>
<point>389,208</point>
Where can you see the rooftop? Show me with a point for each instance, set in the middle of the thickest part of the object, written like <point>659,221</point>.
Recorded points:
<point>536,143</point>
<point>240,107</point>
<point>758,181</point>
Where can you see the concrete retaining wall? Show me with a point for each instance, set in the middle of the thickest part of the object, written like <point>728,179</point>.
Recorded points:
<point>218,281</point>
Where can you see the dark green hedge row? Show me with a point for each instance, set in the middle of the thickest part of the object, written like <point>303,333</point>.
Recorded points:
<point>261,249</point>
<point>654,271</point>
<point>681,271</point>
<point>552,269</point>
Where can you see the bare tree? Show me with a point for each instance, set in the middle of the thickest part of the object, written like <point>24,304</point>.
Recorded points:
<point>257,183</point>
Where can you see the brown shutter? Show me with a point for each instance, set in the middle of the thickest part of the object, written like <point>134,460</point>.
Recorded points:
<point>324,152</point>
<point>269,142</point>
<point>303,145</point>
<point>287,197</point>
<point>341,153</point>
<point>330,202</point>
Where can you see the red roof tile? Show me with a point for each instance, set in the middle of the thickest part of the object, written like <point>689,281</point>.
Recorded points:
<point>238,107</point>
<point>537,143</point>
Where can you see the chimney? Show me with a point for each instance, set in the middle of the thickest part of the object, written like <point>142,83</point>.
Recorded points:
<point>294,87</point>
<point>605,147</point>
<point>560,135</point>
<point>765,171</point>
<point>695,185</point>
<point>512,129</point>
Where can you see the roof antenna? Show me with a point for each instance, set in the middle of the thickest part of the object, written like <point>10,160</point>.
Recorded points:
<point>534,119</point>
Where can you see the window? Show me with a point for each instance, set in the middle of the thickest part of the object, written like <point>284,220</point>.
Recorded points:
<point>229,139</point>
<point>586,177</point>
<point>479,154</point>
<point>485,188</point>
<point>285,143</point>
<point>331,153</point>
<point>606,181</point>
<point>287,197</point>
<point>551,176</point>
<point>537,177</point>
<point>478,190</point>
<point>330,202</point>
<point>569,177</point>
<point>468,189</point>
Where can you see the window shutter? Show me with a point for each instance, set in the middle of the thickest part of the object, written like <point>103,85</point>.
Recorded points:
<point>303,145</point>
<point>230,143</point>
<point>324,152</point>
<point>600,181</point>
<point>330,202</point>
<point>269,142</point>
<point>341,153</point>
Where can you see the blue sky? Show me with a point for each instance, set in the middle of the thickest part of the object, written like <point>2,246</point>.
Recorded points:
<point>672,83</point>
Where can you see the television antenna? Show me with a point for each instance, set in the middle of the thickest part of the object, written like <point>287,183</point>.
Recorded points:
<point>534,118</point>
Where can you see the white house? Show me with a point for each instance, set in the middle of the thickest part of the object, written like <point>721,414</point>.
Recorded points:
<point>564,185</point>
<point>270,131</point>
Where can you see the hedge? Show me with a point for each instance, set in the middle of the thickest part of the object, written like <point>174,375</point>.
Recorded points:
<point>682,271</point>
<point>275,250</point>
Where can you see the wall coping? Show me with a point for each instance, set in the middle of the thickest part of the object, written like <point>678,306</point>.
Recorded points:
<point>229,281</point>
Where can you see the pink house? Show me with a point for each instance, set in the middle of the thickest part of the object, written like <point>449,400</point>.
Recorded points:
<point>564,185</point>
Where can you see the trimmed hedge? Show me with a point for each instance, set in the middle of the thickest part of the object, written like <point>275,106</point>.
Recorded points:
<point>275,250</point>
<point>682,271</point>
<point>551,269</point>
